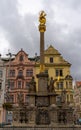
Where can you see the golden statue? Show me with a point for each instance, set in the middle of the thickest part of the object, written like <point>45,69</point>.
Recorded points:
<point>42,20</point>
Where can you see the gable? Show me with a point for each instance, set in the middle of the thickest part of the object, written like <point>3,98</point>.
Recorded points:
<point>51,52</point>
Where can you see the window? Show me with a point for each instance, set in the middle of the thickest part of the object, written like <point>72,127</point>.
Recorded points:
<point>11,98</point>
<point>29,72</point>
<point>12,73</point>
<point>59,72</point>
<point>66,84</point>
<point>21,58</point>
<point>27,85</point>
<point>71,98</point>
<point>70,85</point>
<point>19,84</point>
<point>1,73</point>
<point>27,99</point>
<point>0,86</point>
<point>58,100</point>
<point>11,84</point>
<point>60,85</point>
<point>46,71</point>
<point>51,59</point>
<point>67,98</point>
<point>20,73</point>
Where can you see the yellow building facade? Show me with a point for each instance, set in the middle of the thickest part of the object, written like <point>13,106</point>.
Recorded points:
<point>58,68</point>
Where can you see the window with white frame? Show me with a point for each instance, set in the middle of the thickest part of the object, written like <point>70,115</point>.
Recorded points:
<point>19,84</point>
<point>60,85</point>
<point>29,72</point>
<point>27,85</point>
<point>11,84</point>
<point>59,72</point>
<point>12,73</point>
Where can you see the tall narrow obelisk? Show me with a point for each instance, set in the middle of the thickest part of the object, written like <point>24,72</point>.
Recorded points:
<point>42,29</point>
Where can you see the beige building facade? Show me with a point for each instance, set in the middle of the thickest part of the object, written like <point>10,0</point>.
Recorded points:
<point>77,98</point>
<point>58,68</point>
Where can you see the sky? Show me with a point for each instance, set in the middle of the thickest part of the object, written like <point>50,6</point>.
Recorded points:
<point>19,28</point>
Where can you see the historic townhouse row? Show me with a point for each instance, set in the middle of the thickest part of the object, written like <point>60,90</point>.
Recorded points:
<point>17,72</point>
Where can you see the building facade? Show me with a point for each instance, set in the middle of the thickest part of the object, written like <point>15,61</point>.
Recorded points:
<point>58,68</point>
<point>18,74</point>
<point>2,89</point>
<point>77,98</point>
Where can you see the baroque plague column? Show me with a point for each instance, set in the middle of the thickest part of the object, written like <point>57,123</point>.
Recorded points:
<point>42,108</point>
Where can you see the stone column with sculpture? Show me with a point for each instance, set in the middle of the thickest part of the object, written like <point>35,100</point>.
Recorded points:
<point>42,29</point>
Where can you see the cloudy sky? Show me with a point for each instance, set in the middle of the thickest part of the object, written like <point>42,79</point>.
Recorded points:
<point>19,28</point>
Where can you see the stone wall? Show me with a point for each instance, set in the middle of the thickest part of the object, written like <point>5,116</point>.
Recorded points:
<point>42,128</point>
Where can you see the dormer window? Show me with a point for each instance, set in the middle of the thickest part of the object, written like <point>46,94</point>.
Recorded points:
<point>21,58</point>
<point>51,59</point>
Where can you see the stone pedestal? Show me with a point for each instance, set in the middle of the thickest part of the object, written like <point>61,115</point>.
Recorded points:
<point>70,116</point>
<point>53,114</point>
<point>42,82</point>
<point>32,115</point>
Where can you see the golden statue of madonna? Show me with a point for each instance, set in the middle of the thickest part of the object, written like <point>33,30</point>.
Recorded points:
<point>42,20</point>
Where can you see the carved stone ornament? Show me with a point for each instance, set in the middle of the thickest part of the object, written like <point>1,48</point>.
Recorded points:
<point>42,117</point>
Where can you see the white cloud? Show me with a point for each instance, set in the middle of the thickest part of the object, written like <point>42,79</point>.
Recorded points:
<point>4,44</point>
<point>29,6</point>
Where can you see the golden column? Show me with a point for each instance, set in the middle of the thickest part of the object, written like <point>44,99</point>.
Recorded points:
<point>42,29</point>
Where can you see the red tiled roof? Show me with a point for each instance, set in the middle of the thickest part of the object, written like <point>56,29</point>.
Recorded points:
<point>78,83</point>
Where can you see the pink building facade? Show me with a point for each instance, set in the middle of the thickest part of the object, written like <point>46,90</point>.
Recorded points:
<point>19,72</point>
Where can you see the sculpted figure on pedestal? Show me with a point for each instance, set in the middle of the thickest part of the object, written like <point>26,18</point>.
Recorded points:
<point>32,85</point>
<point>51,85</point>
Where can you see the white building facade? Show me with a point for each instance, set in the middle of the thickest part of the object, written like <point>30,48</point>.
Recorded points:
<point>2,89</point>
